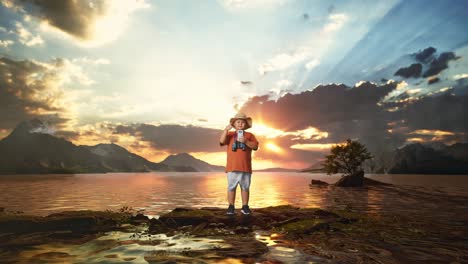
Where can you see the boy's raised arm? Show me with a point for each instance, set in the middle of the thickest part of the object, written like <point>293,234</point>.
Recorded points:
<point>222,139</point>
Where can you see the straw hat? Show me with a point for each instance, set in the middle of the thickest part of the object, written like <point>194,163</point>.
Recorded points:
<point>243,116</point>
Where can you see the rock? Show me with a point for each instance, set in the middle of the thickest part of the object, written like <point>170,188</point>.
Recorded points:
<point>156,226</point>
<point>353,180</point>
<point>72,226</point>
<point>242,230</point>
<point>317,183</point>
<point>139,218</point>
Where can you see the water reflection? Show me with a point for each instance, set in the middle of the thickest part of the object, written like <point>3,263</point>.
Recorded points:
<point>157,193</point>
<point>121,247</point>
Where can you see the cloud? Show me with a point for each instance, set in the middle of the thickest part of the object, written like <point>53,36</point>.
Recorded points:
<point>26,37</point>
<point>89,21</point>
<point>309,50</point>
<point>282,61</point>
<point>460,76</point>
<point>29,91</point>
<point>412,71</point>
<point>439,64</point>
<point>170,139</point>
<point>175,138</point>
<point>38,89</point>
<point>239,5</point>
<point>445,112</point>
<point>312,64</point>
<point>6,43</point>
<point>325,104</point>
<point>331,113</point>
<point>433,80</point>
<point>426,55</point>
<point>336,22</point>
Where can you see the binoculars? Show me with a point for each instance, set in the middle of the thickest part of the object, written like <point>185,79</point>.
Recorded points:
<point>239,145</point>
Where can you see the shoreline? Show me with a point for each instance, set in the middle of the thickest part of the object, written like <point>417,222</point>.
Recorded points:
<point>327,236</point>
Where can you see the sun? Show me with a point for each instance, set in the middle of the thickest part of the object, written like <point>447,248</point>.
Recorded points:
<point>273,147</point>
<point>266,131</point>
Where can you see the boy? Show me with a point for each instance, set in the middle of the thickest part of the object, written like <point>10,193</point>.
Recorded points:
<point>239,159</point>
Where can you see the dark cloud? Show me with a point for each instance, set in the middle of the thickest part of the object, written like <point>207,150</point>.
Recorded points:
<point>69,135</point>
<point>343,112</point>
<point>439,64</point>
<point>175,138</point>
<point>247,83</point>
<point>445,112</point>
<point>433,80</point>
<point>426,55</point>
<point>73,17</point>
<point>412,71</point>
<point>324,105</point>
<point>359,113</point>
<point>129,130</point>
<point>25,93</point>
<point>432,64</point>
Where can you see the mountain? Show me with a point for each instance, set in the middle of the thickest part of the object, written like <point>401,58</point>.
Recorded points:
<point>276,170</point>
<point>117,158</point>
<point>458,151</point>
<point>418,158</point>
<point>427,158</point>
<point>30,149</point>
<point>316,167</point>
<point>186,160</point>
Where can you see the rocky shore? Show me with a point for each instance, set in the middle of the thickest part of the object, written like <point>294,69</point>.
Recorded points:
<point>312,234</point>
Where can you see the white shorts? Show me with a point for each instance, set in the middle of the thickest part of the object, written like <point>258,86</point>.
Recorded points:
<point>238,177</point>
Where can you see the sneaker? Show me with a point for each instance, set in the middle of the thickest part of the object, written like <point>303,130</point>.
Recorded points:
<point>230,210</point>
<point>246,210</point>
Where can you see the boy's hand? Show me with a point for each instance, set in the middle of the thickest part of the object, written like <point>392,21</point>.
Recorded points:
<point>228,127</point>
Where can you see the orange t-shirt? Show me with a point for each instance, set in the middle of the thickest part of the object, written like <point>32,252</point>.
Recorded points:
<point>240,160</point>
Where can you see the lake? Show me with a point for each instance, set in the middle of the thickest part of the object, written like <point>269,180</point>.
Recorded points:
<point>160,192</point>
<point>439,202</point>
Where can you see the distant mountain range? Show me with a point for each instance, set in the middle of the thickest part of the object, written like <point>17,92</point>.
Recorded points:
<point>428,158</point>
<point>431,159</point>
<point>316,167</point>
<point>28,150</point>
<point>184,159</point>
<point>276,170</point>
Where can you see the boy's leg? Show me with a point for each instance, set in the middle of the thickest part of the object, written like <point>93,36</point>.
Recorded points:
<point>233,180</point>
<point>245,187</point>
<point>232,197</point>
<point>245,197</point>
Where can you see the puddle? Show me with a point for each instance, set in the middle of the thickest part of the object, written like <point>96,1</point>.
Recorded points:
<point>121,247</point>
<point>278,252</point>
<point>141,247</point>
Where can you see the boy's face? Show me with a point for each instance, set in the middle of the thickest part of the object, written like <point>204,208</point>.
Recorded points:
<point>239,124</point>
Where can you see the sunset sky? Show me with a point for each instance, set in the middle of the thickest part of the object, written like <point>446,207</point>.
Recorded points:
<point>164,77</point>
